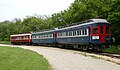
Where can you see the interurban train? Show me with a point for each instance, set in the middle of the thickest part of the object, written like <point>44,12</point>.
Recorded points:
<point>90,34</point>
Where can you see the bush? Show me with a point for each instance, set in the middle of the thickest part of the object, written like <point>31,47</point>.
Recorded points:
<point>113,49</point>
<point>6,39</point>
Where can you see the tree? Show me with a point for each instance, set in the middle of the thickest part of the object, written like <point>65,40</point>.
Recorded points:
<point>114,19</point>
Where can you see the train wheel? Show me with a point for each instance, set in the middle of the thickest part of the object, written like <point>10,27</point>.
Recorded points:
<point>84,48</point>
<point>91,48</point>
<point>75,46</point>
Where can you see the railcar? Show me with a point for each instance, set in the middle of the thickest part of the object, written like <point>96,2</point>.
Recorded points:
<point>21,39</point>
<point>43,37</point>
<point>90,34</point>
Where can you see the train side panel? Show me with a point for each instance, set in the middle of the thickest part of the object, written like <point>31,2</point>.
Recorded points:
<point>42,38</point>
<point>78,36</point>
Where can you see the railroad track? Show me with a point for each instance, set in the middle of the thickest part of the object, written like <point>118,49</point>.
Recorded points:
<point>117,56</point>
<point>110,55</point>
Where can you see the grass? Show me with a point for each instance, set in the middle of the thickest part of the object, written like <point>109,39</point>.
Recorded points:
<point>113,49</point>
<point>12,58</point>
<point>5,42</point>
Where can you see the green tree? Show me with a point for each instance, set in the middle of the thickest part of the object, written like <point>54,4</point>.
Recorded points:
<point>114,19</point>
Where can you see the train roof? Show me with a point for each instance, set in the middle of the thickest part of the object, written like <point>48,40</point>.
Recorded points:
<point>99,20</point>
<point>87,22</point>
<point>20,34</point>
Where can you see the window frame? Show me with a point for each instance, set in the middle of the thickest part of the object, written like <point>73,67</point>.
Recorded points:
<point>93,30</point>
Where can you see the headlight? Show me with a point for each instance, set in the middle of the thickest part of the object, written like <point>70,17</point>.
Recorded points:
<point>95,37</point>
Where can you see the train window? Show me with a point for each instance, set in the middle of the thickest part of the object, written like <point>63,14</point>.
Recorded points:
<point>58,34</point>
<point>70,33</point>
<point>27,37</point>
<point>45,36</point>
<point>66,33</point>
<point>85,31</point>
<point>33,37</point>
<point>51,35</point>
<point>101,29</point>
<point>107,30</point>
<point>74,33</point>
<point>95,30</point>
<point>79,32</point>
<point>39,36</point>
<point>48,36</point>
<point>63,34</point>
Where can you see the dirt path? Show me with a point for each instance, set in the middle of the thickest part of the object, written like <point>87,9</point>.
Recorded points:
<point>67,60</point>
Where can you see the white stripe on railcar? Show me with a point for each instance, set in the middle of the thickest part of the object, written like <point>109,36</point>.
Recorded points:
<point>20,35</point>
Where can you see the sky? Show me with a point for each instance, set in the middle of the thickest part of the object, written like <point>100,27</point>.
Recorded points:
<point>10,9</point>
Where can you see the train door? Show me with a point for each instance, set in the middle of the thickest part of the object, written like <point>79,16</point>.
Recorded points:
<point>104,32</point>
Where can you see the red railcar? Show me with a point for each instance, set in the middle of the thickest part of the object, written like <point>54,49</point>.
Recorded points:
<point>21,39</point>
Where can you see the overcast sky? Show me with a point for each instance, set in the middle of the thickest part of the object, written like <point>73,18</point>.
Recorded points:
<point>10,9</point>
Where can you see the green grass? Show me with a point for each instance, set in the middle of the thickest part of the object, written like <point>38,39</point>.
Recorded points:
<point>5,42</point>
<point>12,58</point>
<point>113,49</point>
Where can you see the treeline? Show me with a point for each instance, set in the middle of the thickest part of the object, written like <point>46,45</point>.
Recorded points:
<point>78,11</point>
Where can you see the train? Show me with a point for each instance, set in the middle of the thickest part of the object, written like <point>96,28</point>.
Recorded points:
<point>92,34</point>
